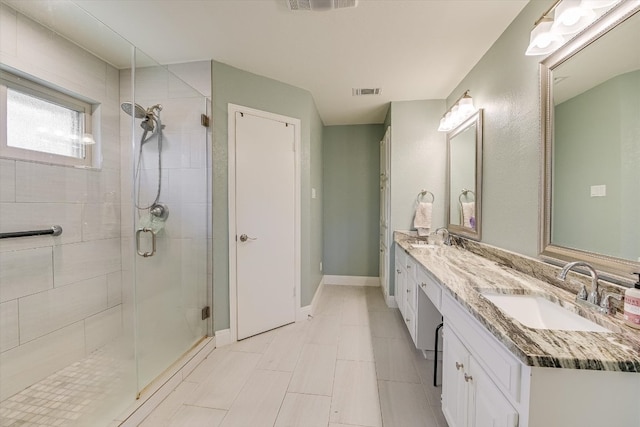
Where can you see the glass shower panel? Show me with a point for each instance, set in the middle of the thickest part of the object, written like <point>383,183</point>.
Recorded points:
<point>66,314</point>
<point>169,210</point>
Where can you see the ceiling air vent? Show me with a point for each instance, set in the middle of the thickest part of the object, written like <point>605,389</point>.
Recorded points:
<point>366,91</point>
<point>320,5</point>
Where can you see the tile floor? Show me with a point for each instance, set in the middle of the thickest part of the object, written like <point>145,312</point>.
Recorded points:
<point>353,364</point>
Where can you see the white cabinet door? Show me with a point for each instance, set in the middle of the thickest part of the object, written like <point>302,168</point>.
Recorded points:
<point>454,390</point>
<point>487,406</point>
<point>469,397</point>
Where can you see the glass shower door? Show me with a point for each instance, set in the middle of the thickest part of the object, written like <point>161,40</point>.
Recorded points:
<point>169,209</point>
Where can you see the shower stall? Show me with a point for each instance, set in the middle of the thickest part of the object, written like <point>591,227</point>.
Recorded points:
<point>103,143</point>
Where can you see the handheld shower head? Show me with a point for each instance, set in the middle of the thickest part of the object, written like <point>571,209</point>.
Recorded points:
<point>133,110</point>
<point>147,123</point>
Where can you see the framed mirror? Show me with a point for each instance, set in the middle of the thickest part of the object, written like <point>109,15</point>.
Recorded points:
<point>590,101</point>
<point>464,178</point>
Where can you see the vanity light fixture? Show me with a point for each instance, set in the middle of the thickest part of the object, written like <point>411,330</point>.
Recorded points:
<point>569,18</point>
<point>461,110</point>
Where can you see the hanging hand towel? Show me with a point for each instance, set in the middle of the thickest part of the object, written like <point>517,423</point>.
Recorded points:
<point>422,220</point>
<point>469,215</point>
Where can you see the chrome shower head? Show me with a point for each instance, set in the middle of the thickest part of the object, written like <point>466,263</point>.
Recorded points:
<point>133,110</point>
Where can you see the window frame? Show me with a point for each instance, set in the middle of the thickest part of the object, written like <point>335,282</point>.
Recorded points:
<point>33,88</point>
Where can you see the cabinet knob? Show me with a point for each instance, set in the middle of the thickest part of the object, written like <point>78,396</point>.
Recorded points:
<point>459,366</point>
<point>423,284</point>
<point>408,266</point>
<point>408,290</point>
<point>406,320</point>
<point>398,271</point>
<point>468,378</point>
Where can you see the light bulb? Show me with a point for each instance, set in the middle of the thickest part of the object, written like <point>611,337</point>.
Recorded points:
<point>544,40</point>
<point>571,17</point>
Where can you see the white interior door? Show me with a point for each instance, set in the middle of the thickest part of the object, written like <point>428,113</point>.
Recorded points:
<point>265,223</point>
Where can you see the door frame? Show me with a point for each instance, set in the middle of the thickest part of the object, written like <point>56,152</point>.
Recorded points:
<point>232,109</point>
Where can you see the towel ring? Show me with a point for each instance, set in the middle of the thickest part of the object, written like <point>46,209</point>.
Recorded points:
<point>422,194</point>
<point>464,193</point>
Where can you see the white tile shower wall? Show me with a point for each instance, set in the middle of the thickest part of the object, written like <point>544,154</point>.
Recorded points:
<point>61,297</point>
<point>8,179</point>
<point>45,312</point>
<point>25,272</point>
<point>9,337</point>
<point>23,365</point>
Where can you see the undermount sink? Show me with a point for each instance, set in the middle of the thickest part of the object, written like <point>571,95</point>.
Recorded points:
<point>423,245</point>
<point>540,313</point>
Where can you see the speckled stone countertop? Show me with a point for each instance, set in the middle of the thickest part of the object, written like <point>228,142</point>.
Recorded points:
<point>464,275</point>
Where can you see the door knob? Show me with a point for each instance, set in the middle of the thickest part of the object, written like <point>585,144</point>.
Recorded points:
<point>244,238</point>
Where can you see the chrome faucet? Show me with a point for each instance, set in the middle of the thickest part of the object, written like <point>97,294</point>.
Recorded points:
<point>593,296</point>
<point>446,237</point>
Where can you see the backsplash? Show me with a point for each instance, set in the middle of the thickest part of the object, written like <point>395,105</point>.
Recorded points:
<point>536,268</point>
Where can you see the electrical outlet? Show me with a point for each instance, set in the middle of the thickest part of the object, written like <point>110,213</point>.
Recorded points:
<point>598,190</point>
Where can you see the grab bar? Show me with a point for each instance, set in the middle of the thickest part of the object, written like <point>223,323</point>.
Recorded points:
<point>56,230</point>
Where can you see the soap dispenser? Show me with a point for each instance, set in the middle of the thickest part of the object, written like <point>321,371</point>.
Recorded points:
<point>632,305</point>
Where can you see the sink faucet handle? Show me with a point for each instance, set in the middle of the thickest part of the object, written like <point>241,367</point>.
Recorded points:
<point>605,304</point>
<point>582,293</point>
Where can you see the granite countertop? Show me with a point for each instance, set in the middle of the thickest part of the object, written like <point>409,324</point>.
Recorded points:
<point>464,275</point>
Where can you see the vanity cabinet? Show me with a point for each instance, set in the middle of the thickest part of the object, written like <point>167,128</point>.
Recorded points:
<point>484,384</point>
<point>420,314</point>
<point>469,396</point>
<point>406,290</point>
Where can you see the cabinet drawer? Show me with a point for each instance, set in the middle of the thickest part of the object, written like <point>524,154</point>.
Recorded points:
<point>411,266</point>
<point>430,287</point>
<point>501,365</point>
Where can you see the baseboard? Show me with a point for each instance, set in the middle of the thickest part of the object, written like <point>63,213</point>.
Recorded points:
<point>391,301</point>
<point>352,280</point>
<point>223,337</point>
<point>308,310</point>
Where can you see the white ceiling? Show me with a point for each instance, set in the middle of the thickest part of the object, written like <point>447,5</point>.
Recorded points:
<point>417,49</point>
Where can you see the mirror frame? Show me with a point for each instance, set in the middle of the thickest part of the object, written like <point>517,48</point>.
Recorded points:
<point>613,268</point>
<point>457,229</point>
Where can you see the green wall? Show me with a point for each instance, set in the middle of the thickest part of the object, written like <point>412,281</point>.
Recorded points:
<point>351,176</point>
<point>505,83</point>
<point>418,161</point>
<point>231,85</point>
<point>594,145</point>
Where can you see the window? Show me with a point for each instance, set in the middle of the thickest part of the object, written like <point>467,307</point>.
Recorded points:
<point>43,125</point>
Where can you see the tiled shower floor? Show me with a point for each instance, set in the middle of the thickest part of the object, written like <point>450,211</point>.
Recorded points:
<point>79,394</point>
